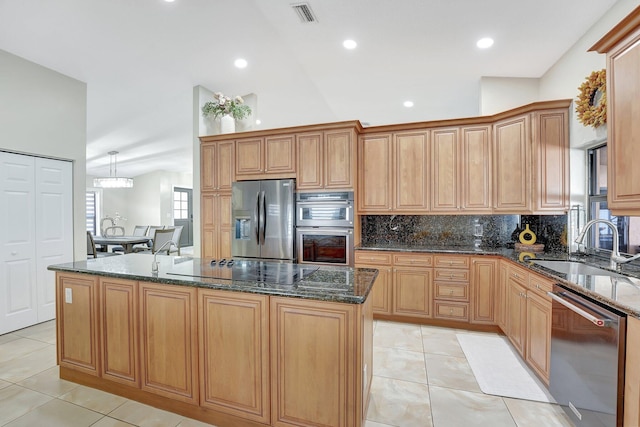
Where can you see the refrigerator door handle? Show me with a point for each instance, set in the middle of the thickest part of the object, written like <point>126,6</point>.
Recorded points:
<point>256,218</point>
<point>263,219</point>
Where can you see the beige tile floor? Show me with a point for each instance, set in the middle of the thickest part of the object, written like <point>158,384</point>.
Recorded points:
<point>421,378</point>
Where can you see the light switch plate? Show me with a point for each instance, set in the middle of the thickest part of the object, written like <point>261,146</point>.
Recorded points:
<point>68,296</point>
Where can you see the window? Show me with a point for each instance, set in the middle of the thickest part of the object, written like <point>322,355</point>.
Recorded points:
<point>180,204</point>
<point>601,236</point>
<point>92,210</point>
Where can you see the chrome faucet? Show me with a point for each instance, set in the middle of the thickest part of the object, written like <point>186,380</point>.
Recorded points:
<point>616,258</point>
<point>154,264</point>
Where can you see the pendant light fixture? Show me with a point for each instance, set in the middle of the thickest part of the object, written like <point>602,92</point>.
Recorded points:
<point>113,181</point>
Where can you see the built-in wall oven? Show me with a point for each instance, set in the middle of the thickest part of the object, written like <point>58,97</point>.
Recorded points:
<point>587,359</point>
<point>324,228</point>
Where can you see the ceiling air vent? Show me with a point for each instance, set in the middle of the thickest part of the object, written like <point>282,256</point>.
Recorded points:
<point>304,12</point>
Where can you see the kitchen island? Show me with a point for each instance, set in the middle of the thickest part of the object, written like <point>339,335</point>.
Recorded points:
<point>293,346</point>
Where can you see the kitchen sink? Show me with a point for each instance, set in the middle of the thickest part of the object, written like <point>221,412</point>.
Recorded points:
<point>572,267</point>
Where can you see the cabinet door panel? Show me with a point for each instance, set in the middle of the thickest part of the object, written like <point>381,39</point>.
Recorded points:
<point>445,161</point>
<point>169,341</point>
<point>233,325</point>
<point>306,334</point>
<point>224,165</point>
<point>539,334</point>
<point>412,292</point>
<point>516,315</point>
<point>483,290</point>
<point>476,169</point>
<point>280,154</point>
<point>249,156</point>
<point>512,175</point>
<point>119,331</point>
<point>551,144</point>
<point>374,173</point>
<point>339,159</point>
<point>310,161</point>
<point>207,167</point>
<point>381,295</point>
<point>411,169</point>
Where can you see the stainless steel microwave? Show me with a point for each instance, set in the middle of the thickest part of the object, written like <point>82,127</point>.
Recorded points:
<point>324,209</point>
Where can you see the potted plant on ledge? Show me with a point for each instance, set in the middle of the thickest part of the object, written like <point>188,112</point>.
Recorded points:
<point>228,110</point>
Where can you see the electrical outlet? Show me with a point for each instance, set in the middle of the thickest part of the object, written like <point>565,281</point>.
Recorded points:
<point>68,296</point>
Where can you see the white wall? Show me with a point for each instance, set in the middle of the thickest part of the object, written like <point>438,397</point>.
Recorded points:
<point>43,113</point>
<point>149,202</point>
<point>498,94</point>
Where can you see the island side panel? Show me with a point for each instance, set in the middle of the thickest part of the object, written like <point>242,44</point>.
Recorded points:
<point>316,361</point>
<point>234,353</point>
<point>77,322</point>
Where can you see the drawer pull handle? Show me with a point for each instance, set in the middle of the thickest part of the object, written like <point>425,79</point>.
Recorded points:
<point>451,311</point>
<point>451,292</point>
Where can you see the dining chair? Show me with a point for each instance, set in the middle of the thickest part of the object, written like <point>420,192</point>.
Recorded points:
<point>177,232</point>
<point>92,252</point>
<point>140,230</point>
<point>160,238</point>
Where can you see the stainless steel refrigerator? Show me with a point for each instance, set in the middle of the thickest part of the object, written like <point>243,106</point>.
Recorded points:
<point>263,219</point>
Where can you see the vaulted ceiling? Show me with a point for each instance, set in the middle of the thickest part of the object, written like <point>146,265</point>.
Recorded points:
<point>142,58</point>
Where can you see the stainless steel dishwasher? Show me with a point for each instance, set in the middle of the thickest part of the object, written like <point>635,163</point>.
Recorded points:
<point>587,359</point>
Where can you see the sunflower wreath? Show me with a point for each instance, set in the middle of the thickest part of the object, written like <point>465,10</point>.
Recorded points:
<point>591,110</point>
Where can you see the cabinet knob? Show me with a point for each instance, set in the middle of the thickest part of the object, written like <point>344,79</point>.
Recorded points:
<point>451,311</point>
<point>451,292</point>
<point>14,253</point>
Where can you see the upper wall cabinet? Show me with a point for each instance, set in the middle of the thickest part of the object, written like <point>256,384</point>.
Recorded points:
<point>271,156</point>
<point>374,173</point>
<point>622,46</point>
<point>512,159</point>
<point>445,179</point>
<point>216,159</point>
<point>551,161</point>
<point>325,160</point>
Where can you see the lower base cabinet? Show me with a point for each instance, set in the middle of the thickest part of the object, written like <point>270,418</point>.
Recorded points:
<point>226,358</point>
<point>234,353</point>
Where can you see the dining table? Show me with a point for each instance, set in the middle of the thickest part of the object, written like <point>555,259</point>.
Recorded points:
<point>126,242</point>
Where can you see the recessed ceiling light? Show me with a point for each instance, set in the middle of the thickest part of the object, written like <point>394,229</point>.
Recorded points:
<point>258,121</point>
<point>240,63</point>
<point>349,44</point>
<point>485,43</point>
<point>408,104</point>
<point>169,1</point>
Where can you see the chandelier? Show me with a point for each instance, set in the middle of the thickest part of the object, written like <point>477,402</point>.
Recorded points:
<point>113,181</point>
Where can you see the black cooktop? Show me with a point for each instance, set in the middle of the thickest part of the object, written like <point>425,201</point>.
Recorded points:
<point>270,272</point>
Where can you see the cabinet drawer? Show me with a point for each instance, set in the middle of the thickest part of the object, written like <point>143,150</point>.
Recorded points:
<point>451,310</point>
<point>519,274</point>
<point>453,291</point>
<point>451,261</point>
<point>413,260</point>
<point>540,284</point>
<point>367,257</point>
<point>447,275</point>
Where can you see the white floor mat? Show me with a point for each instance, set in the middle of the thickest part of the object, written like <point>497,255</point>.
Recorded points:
<point>499,369</point>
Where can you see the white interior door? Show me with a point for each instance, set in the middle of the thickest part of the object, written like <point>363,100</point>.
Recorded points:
<point>18,299</point>
<point>54,228</point>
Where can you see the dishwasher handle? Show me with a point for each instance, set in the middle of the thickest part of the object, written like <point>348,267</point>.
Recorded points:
<point>598,321</point>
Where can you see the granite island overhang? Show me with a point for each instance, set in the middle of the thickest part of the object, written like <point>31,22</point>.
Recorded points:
<point>195,339</point>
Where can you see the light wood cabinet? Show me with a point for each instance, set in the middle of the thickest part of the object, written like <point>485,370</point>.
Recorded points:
<point>412,291</point>
<point>501,295</point>
<point>217,161</point>
<point>78,345</point>
<point>484,275</point>
<point>476,180</point>
<point>325,160</point>
<point>217,228</point>
<point>538,344</point>
<point>169,341</point>
<point>119,331</point>
<point>451,287</point>
<point>375,173</point>
<point>318,366</point>
<point>517,315</point>
<point>551,161</point>
<point>382,292</point>
<point>234,353</point>
<point>265,157</point>
<point>621,44</point>
<point>410,172</point>
<point>512,165</point>
<point>446,165</point>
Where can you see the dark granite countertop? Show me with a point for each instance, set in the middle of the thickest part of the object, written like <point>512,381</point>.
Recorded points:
<point>323,283</point>
<point>621,292</point>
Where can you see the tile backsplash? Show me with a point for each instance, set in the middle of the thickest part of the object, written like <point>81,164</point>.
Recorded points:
<point>462,230</point>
